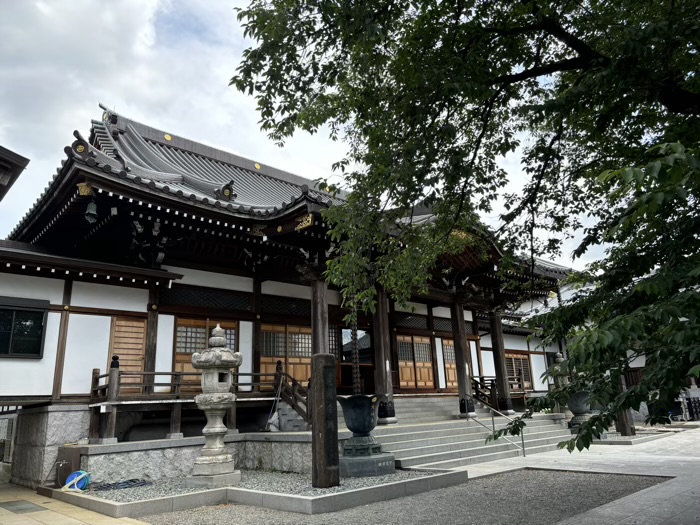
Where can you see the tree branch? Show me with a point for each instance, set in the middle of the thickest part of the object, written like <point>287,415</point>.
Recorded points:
<point>570,64</point>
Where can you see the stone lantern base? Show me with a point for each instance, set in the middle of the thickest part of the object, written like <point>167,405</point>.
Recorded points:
<point>215,467</point>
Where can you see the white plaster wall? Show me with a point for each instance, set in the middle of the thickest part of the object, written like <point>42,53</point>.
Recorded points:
<point>245,347</point>
<point>468,315</point>
<point>32,377</point>
<point>212,279</point>
<point>442,311</point>
<point>92,295</point>
<point>536,346</point>
<point>286,290</point>
<point>87,347</point>
<point>442,382</point>
<point>539,367</point>
<point>164,349</point>
<point>475,360</point>
<point>487,361</point>
<point>412,308</point>
<point>29,287</point>
<point>515,342</point>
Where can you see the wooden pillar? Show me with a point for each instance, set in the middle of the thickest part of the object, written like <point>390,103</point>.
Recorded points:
<point>624,422</point>
<point>62,338</point>
<point>176,411</point>
<point>149,361</point>
<point>257,325</point>
<point>464,380</point>
<point>94,430</point>
<point>505,404</point>
<point>113,397</point>
<point>382,361</point>
<point>319,316</point>
<point>324,417</point>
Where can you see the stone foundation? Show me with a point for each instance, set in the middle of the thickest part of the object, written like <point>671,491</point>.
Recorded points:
<point>38,435</point>
<point>174,458</point>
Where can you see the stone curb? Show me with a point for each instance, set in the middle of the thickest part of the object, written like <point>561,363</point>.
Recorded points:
<point>636,441</point>
<point>269,500</point>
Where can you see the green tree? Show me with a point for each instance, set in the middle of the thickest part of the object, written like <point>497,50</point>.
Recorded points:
<point>430,95</point>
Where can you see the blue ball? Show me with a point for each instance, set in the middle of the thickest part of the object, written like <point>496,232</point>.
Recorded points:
<point>82,484</point>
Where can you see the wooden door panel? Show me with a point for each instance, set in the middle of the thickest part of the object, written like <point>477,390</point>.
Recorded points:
<point>451,375</point>
<point>407,377</point>
<point>128,341</point>
<point>300,369</point>
<point>424,375</point>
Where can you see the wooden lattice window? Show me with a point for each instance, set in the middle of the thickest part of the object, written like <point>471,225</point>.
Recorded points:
<point>298,341</point>
<point>192,335</point>
<point>285,340</point>
<point>448,351</point>
<point>422,349</point>
<point>334,341</point>
<point>405,344</point>
<point>518,366</point>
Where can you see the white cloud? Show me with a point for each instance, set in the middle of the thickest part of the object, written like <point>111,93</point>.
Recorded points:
<point>164,63</point>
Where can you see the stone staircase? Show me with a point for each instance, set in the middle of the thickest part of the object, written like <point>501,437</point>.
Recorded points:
<point>430,436</point>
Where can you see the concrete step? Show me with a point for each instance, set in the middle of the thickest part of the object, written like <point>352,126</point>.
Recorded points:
<point>463,453</point>
<point>482,458</point>
<point>463,431</point>
<point>429,439</point>
<point>405,450</point>
<point>459,423</point>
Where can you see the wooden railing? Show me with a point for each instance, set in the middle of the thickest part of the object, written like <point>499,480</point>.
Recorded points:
<point>485,390</point>
<point>292,392</point>
<point>182,385</point>
<point>109,391</point>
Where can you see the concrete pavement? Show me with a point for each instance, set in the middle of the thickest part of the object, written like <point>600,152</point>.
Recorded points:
<point>675,502</point>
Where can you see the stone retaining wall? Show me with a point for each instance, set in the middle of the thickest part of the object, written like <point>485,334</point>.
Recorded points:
<point>172,458</point>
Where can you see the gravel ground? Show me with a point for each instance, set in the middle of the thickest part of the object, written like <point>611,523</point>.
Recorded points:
<point>526,497</point>
<point>285,483</point>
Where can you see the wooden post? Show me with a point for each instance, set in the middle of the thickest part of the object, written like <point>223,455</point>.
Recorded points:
<point>319,316</point>
<point>493,389</point>
<point>324,418</point>
<point>112,397</point>
<point>231,420</point>
<point>464,381</point>
<point>505,404</point>
<point>149,362</point>
<point>624,422</point>
<point>62,338</point>
<point>176,410</point>
<point>382,361</point>
<point>94,432</point>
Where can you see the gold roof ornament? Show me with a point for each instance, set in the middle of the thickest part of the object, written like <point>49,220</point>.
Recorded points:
<point>85,189</point>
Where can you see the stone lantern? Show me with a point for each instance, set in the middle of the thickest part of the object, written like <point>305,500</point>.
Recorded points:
<point>215,466</point>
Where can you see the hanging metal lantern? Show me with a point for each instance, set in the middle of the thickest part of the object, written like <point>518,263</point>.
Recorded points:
<point>91,212</point>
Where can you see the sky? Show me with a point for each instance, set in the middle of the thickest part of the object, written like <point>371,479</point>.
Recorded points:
<point>166,63</point>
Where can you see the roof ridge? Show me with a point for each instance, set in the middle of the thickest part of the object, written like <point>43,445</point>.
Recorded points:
<point>166,138</point>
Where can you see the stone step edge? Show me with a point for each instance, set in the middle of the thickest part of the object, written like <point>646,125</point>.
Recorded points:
<point>387,430</point>
<point>485,448</point>
<point>528,437</point>
<point>456,433</point>
<point>440,465</point>
<point>285,502</point>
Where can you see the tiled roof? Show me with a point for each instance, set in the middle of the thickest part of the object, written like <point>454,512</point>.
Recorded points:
<point>158,162</point>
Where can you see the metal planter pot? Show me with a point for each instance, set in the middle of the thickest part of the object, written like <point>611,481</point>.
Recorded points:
<point>360,413</point>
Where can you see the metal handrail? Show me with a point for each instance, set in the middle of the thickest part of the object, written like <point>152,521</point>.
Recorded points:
<point>493,426</point>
